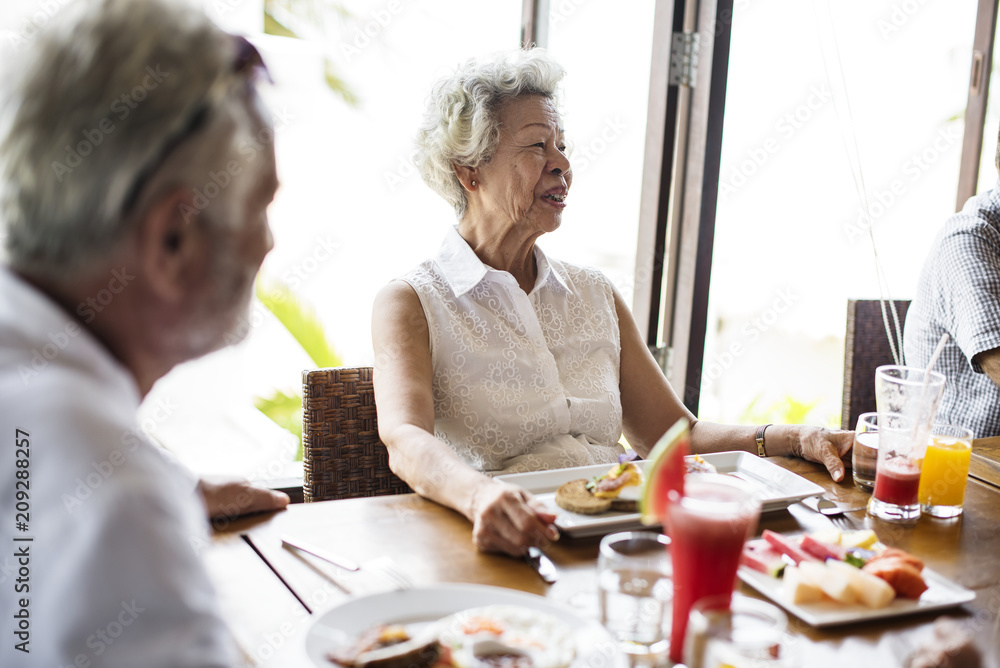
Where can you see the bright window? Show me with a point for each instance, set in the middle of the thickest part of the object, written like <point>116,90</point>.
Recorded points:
<point>791,245</point>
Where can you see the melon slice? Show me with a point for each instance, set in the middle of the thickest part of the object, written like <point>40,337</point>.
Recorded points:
<point>787,546</point>
<point>760,556</point>
<point>822,550</point>
<point>870,590</point>
<point>834,584</point>
<point>665,472</point>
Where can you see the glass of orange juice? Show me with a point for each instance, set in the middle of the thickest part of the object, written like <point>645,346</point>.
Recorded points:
<point>945,471</point>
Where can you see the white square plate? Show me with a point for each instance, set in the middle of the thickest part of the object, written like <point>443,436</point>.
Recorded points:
<point>941,593</point>
<point>778,488</point>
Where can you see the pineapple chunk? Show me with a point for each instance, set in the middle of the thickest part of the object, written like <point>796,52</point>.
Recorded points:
<point>798,590</point>
<point>831,536</point>
<point>863,538</point>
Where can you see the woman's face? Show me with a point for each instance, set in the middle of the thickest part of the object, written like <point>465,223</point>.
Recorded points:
<point>528,178</point>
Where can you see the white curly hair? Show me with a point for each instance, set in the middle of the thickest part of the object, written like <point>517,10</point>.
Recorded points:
<point>461,125</point>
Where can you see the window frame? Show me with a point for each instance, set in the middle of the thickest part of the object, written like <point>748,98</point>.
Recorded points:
<point>979,95</point>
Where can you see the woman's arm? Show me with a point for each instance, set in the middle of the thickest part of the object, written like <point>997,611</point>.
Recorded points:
<point>650,406</point>
<point>505,518</point>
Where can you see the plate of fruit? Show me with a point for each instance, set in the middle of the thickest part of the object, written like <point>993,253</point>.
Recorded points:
<point>833,577</point>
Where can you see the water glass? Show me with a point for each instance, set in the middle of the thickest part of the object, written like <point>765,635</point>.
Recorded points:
<point>945,471</point>
<point>746,632</point>
<point>864,457</point>
<point>907,400</point>
<point>634,588</point>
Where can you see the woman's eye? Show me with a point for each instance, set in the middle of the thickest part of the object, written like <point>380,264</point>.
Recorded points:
<point>562,149</point>
<point>540,144</point>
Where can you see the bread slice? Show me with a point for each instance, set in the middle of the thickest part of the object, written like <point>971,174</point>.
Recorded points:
<point>576,498</point>
<point>625,505</point>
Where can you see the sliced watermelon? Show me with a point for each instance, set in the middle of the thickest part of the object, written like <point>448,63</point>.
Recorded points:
<point>665,472</point>
<point>788,546</point>
<point>760,556</point>
<point>822,550</point>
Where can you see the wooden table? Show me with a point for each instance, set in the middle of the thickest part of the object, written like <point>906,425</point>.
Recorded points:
<point>432,545</point>
<point>985,464</point>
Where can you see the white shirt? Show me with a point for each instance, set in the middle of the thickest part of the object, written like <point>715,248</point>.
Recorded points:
<point>113,572</point>
<point>522,381</point>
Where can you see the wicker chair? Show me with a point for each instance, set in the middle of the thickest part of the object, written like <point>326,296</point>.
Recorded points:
<point>866,347</point>
<point>344,457</point>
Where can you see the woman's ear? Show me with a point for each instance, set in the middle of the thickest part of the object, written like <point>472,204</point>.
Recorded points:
<point>171,244</point>
<point>467,176</point>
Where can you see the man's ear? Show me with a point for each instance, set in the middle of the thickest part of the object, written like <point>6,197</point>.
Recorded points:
<point>171,244</point>
<point>467,176</point>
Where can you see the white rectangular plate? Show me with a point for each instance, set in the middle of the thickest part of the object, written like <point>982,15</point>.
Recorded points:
<point>941,593</point>
<point>778,488</point>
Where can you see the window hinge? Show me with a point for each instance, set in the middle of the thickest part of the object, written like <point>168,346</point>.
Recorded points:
<point>684,48</point>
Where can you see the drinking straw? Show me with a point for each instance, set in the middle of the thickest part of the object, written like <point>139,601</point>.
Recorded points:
<point>927,382</point>
<point>934,357</point>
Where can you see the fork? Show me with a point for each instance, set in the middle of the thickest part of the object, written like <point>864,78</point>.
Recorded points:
<point>842,522</point>
<point>380,566</point>
<point>387,568</point>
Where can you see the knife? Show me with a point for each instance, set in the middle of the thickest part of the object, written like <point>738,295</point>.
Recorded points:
<point>334,559</point>
<point>542,564</point>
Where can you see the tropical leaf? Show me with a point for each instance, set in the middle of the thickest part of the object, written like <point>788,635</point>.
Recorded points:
<point>337,85</point>
<point>285,410</point>
<point>301,322</point>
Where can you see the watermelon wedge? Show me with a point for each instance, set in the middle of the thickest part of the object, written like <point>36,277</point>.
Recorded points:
<point>665,472</point>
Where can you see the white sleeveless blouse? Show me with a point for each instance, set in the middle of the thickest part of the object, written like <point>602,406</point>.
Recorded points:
<point>522,382</point>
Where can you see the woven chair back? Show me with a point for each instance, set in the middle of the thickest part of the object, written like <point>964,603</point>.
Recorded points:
<point>342,453</point>
<point>866,347</point>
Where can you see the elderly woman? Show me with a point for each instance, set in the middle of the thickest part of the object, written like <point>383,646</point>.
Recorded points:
<point>494,358</point>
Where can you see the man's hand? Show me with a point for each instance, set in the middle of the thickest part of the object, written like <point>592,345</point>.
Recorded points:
<point>233,498</point>
<point>826,447</point>
<point>508,519</point>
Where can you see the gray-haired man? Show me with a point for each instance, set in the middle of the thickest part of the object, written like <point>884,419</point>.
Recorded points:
<point>133,193</point>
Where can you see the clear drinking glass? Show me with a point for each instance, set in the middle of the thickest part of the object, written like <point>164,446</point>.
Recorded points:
<point>634,588</point>
<point>864,457</point>
<point>907,400</point>
<point>745,632</point>
<point>945,471</point>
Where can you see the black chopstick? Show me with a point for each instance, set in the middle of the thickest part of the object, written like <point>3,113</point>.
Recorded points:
<point>274,570</point>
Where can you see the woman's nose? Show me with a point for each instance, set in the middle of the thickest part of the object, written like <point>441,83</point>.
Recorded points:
<point>559,163</point>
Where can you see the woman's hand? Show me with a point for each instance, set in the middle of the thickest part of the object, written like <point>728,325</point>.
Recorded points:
<point>824,446</point>
<point>505,518</point>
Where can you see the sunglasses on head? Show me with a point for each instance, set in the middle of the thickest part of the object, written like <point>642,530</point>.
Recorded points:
<point>247,62</point>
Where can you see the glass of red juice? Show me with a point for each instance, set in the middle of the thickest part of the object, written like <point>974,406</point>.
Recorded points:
<point>708,526</point>
<point>897,479</point>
